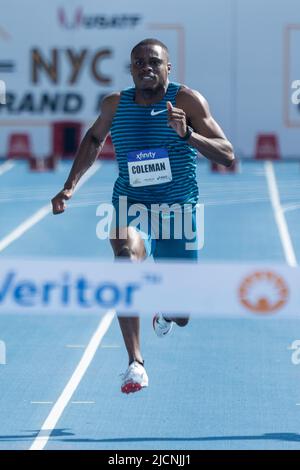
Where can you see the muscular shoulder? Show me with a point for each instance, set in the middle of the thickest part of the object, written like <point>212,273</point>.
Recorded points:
<point>191,101</point>
<point>110,103</point>
<point>101,126</point>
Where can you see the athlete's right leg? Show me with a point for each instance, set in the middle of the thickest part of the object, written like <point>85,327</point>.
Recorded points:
<point>127,243</point>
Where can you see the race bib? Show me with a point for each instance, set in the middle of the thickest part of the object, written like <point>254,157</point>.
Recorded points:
<point>148,167</point>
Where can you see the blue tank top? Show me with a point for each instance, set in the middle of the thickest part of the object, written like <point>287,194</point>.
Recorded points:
<point>136,129</point>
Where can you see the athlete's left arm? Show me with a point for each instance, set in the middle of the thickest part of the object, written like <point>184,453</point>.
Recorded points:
<point>208,137</point>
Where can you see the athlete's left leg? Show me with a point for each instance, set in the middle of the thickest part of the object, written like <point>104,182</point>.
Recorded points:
<point>176,249</point>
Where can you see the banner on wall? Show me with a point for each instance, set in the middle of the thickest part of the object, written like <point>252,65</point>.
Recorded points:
<point>59,63</point>
<point>82,54</point>
<point>66,286</point>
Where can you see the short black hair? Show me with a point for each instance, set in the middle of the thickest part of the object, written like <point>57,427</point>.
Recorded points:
<point>150,42</point>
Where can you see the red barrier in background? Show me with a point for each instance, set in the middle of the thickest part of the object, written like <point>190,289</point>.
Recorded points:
<point>66,136</point>
<point>267,147</point>
<point>19,146</point>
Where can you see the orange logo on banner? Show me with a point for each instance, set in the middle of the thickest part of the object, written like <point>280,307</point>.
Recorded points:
<point>263,292</point>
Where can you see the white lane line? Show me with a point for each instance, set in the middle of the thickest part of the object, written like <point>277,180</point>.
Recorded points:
<point>24,226</point>
<point>41,402</point>
<point>6,167</point>
<point>49,424</point>
<point>41,213</point>
<point>291,208</point>
<point>279,215</point>
<point>51,402</point>
<point>103,346</point>
<point>83,402</point>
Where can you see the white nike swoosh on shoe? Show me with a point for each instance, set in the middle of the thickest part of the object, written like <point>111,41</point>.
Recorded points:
<point>154,113</point>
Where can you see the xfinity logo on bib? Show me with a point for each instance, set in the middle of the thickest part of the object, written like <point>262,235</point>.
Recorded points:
<point>66,291</point>
<point>142,156</point>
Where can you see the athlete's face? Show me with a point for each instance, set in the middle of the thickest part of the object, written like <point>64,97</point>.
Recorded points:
<point>150,67</point>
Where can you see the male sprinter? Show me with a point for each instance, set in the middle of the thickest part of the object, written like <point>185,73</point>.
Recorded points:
<point>155,119</point>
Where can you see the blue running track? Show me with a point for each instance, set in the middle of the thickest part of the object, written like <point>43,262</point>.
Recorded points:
<point>216,384</point>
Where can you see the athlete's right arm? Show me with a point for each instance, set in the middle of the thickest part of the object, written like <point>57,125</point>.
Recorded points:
<point>90,146</point>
